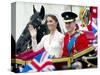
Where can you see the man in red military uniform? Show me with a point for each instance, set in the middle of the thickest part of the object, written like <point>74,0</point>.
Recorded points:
<point>74,40</point>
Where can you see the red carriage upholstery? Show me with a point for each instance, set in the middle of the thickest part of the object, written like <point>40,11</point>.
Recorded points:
<point>29,54</point>
<point>90,36</point>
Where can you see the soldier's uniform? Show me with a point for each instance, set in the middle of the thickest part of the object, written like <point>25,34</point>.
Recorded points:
<point>80,44</point>
<point>77,41</point>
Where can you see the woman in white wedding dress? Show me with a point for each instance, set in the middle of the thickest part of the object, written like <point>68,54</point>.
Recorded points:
<point>53,41</point>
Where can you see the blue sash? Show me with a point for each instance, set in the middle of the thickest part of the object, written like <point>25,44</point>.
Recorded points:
<point>72,42</point>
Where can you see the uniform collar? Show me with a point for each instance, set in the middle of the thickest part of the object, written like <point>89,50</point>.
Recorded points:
<point>72,34</point>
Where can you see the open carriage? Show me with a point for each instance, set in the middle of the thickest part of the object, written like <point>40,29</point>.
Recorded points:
<point>84,59</point>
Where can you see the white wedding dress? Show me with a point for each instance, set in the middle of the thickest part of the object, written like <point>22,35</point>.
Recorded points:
<point>55,48</point>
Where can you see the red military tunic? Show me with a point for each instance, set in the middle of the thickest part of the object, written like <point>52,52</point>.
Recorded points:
<point>81,43</point>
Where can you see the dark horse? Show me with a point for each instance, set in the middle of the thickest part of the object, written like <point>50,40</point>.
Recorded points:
<point>36,19</point>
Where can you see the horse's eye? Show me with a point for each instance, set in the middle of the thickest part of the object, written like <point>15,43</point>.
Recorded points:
<point>38,19</point>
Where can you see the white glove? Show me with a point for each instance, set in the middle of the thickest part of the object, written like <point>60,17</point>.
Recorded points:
<point>33,31</point>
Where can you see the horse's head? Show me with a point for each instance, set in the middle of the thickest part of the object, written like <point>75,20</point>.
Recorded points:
<point>35,20</point>
<point>37,17</point>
